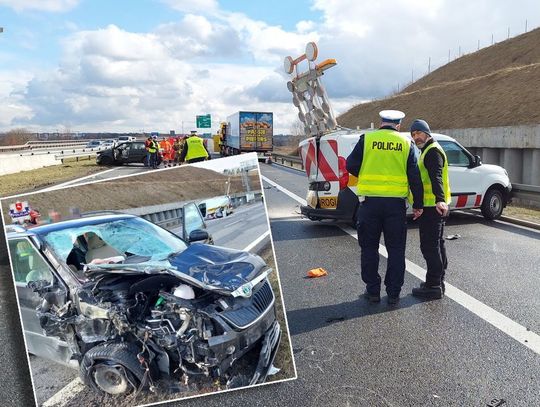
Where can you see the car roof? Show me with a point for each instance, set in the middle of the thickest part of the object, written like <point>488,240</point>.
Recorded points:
<point>94,219</point>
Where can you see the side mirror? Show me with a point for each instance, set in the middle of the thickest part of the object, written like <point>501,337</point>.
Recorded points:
<point>198,235</point>
<point>477,161</point>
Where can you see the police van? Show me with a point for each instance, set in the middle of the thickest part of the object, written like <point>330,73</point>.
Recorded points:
<point>332,190</point>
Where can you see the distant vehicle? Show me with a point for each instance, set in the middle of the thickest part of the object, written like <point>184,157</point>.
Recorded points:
<point>122,139</point>
<point>93,144</point>
<point>124,153</point>
<point>216,207</point>
<point>108,143</point>
<point>246,132</point>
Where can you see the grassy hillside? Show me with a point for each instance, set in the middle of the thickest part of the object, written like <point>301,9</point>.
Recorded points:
<point>496,86</point>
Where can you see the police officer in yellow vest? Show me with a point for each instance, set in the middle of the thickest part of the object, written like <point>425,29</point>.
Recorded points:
<point>194,149</point>
<point>433,167</point>
<point>386,166</point>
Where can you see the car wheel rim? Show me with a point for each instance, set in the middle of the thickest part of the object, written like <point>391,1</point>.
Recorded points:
<point>111,379</point>
<point>495,204</point>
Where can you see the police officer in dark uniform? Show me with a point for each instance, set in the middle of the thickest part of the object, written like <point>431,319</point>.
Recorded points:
<point>433,166</point>
<point>194,150</point>
<point>386,167</point>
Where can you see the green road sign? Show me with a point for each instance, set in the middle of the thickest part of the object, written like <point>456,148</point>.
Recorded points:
<point>204,121</point>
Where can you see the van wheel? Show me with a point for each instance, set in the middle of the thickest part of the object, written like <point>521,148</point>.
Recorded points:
<point>493,204</point>
<point>112,368</point>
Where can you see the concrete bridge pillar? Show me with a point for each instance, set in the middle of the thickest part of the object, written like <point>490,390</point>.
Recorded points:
<point>513,163</point>
<point>535,167</point>
<point>490,156</point>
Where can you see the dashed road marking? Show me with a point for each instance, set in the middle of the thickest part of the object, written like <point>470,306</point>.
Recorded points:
<point>511,328</point>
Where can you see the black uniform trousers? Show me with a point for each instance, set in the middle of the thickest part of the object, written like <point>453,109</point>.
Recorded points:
<point>431,226</point>
<point>378,215</point>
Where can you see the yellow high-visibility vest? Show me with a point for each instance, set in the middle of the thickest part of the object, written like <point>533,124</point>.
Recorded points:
<point>384,165</point>
<point>429,197</point>
<point>195,148</point>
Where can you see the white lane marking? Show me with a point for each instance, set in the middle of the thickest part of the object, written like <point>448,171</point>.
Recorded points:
<point>256,241</point>
<point>68,393</point>
<point>516,331</point>
<point>285,191</point>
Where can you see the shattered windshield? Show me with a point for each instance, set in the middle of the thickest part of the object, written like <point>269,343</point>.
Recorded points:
<point>134,239</point>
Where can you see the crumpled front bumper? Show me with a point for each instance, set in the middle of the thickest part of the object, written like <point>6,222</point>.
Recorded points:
<point>268,353</point>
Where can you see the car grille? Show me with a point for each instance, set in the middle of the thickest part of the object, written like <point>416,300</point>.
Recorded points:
<point>261,301</point>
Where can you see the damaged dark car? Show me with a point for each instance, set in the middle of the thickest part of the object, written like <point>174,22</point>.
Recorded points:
<point>135,307</point>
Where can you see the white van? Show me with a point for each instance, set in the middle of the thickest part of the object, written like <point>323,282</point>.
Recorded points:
<point>122,139</point>
<point>332,190</point>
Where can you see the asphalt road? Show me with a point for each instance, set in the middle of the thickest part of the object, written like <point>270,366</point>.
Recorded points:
<point>250,219</point>
<point>349,352</point>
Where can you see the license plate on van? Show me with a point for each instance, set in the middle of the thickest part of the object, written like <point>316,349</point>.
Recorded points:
<point>328,202</point>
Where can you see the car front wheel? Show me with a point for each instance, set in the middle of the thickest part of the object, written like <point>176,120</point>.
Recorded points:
<point>112,368</point>
<point>493,204</point>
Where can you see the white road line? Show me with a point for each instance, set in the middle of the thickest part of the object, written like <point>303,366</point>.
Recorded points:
<point>256,241</point>
<point>285,191</point>
<point>68,393</point>
<point>516,331</point>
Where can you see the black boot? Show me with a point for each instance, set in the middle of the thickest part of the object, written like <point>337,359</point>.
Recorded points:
<point>428,292</point>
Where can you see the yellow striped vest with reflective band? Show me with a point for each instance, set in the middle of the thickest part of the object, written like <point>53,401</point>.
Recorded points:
<point>384,165</point>
<point>153,147</point>
<point>429,197</point>
<point>195,148</point>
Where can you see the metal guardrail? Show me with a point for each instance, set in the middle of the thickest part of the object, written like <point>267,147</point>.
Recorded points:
<point>288,158</point>
<point>519,191</point>
<point>88,155</point>
<point>526,192</point>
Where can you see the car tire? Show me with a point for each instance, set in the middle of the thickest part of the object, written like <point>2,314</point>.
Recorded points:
<point>106,161</point>
<point>112,368</point>
<point>493,204</point>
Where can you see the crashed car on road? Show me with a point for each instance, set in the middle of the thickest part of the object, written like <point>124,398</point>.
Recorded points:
<point>134,306</point>
<point>124,153</point>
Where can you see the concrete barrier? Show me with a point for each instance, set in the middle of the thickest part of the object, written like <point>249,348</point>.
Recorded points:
<point>516,148</point>
<point>12,163</point>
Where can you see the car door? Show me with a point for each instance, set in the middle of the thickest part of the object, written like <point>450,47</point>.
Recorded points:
<point>464,178</point>
<point>28,264</point>
<point>136,152</point>
<point>193,220</point>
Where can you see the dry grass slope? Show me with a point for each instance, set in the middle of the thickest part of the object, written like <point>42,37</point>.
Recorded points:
<point>496,86</point>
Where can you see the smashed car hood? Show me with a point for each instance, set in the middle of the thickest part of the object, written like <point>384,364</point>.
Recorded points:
<point>217,267</point>
<point>210,267</point>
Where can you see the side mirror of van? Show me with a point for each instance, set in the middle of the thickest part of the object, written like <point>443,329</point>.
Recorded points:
<point>477,161</point>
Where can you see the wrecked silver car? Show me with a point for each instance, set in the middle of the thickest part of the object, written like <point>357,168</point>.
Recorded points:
<point>135,307</point>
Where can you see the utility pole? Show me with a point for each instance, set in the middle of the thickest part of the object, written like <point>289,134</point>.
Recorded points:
<point>478,45</point>
<point>491,39</point>
<point>429,65</point>
<point>448,55</point>
<point>508,32</point>
<point>525,25</point>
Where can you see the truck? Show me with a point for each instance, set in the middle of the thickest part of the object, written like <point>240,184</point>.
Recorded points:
<point>246,132</point>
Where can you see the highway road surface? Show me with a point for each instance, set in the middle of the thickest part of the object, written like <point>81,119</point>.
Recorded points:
<point>479,346</point>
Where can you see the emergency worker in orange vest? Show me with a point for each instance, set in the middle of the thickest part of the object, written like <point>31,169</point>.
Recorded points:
<point>385,164</point>
<point>166,150</point>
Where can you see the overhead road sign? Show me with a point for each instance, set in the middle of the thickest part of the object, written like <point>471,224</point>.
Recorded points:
<point>204,121</point>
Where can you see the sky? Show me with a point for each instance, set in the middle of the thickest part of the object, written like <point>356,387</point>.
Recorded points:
<point>153,65</point>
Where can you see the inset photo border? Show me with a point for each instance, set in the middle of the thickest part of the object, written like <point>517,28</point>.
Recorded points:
<point>150,287</point>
